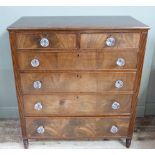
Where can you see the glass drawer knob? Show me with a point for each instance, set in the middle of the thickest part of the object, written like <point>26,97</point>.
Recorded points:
<point>37,84</point>
<point>35,63</point>
<point>110,41</point>
<point>38,106</point>
<point>114,129</point>
<point>44,42</point>
<point>119,84</point>
<point>120,62</point>
<point>115,105</point>
<point>40,130</point>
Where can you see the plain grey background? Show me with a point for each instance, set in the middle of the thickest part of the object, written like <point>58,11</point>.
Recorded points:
<point>8,102</point>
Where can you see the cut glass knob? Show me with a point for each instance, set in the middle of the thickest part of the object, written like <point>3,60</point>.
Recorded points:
<point>115,105</point>
<point>44,42</point>
<point>110,41</point>
<point>119,84</point>
<point>114,129</point>
<point>38,106</point>
<point>40,130</point>
<point>120,62</point>
<point>35,63</point>
<point>37,84</point>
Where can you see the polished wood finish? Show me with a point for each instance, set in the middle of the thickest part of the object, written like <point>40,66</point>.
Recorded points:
<point>78,72</point>
<point>56,40</point>
<point>78,23</point>
<point>76,127</point>
<point>123,40</point>
<point>81,60</point>
<point>77,105</point>
<point>76,82</point>
<point>18,86</point>
<point>137,82</point>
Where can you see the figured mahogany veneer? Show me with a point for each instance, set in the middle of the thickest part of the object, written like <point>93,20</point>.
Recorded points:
<point>91,60</point>
<point>77,104</point>
<point>123,40</point>
<point>58,40</point>
<point>76,82</point>
<point>76,127</point>
<point>77,61</point>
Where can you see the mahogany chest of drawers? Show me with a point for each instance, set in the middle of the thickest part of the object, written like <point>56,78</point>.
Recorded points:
<point>77,77</point>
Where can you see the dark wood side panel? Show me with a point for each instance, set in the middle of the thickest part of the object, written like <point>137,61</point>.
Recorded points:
<point>142,45</point>
<point>18,84</point>
<point>83,60</point>
<point>76,127</point>
<point>76,105</point>
<point>31,40</point>
<point>123,40</point>
<point>76,82</point>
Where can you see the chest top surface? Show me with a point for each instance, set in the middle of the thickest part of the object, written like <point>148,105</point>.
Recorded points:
<point>77,23</point>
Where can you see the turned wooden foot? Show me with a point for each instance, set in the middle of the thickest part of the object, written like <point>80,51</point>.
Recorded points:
<point>26,143</point>
<point>128,142</point>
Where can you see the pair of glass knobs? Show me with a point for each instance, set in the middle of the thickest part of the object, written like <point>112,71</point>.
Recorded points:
<point>38,106</point>
<point>119,62</point>
<point>113,129</point>
<point>110,41</point>
<point>37,84</point>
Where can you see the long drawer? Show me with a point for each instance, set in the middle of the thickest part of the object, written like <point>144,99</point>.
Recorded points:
<point>76,105</point>
<point>76,82</point>
<point>76,127</point>
<point>92,60</point>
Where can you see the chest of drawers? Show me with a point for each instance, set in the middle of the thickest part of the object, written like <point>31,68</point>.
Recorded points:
<point>77,77</point>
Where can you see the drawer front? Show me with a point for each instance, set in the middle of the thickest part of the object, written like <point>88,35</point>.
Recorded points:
<point>76,82</point>
<point>100,40</point>
<point>76,105</point>
<point>77,60</point>
<point>45,40</point>
<point>72,128</point>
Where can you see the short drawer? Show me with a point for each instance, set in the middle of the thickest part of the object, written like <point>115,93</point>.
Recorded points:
<point>44,40</point>
<point>76,105</point>
<point>76,127</point>
<point>77,60</point>
<point>76,82</point>
<point>110,40</point>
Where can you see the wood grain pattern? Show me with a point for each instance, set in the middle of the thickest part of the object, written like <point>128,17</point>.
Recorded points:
<point>76,105</point>
<point>78,23</point>
<point>56,40</point>
<point>78,74</point>
<point>137,83</point>
<point>76,127</point>
<point>76,82</point>
<point>90,60</point>
<point>98,41</point>
<point>18,85</point>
